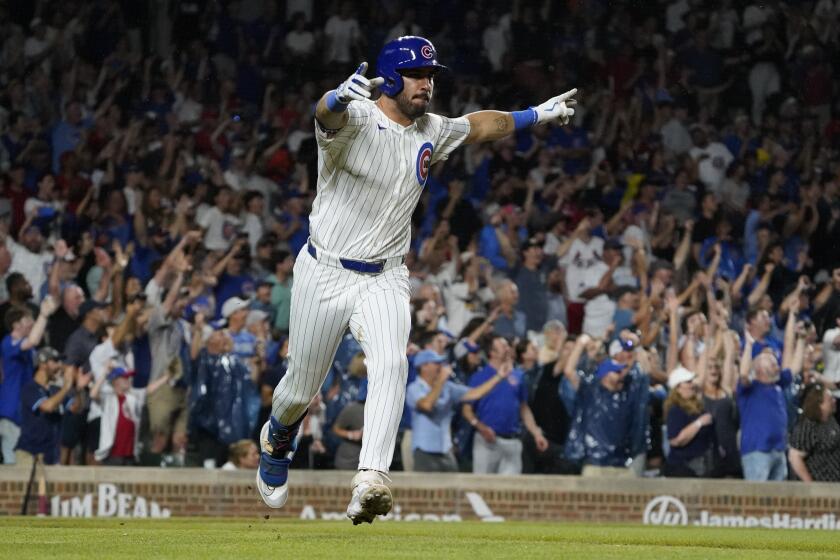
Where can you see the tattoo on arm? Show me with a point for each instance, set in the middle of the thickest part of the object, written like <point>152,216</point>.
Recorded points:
<point>501,124</point>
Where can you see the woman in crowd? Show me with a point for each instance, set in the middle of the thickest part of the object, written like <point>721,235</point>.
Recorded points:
<point>690,435</point>
<point>814,450</point>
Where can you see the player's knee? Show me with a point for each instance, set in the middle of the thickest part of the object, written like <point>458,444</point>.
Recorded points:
<point>292,399</point>
<point>392,364</point>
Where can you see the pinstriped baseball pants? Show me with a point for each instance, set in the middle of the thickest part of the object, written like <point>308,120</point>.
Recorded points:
<point>325,301</point>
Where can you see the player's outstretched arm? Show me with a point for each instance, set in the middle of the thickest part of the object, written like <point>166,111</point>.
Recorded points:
<point>486,126</point>
<point>331,109</point>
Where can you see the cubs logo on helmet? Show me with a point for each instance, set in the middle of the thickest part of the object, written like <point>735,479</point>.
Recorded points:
<point>404,53</point>
<point>424,162</point>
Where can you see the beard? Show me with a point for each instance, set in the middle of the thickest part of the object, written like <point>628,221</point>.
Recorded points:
<point>410,109</point>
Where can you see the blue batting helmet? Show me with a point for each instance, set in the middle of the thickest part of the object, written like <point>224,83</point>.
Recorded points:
<point>404,53</point>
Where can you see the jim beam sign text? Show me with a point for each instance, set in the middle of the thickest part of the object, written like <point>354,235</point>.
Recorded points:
<point>109,503</point>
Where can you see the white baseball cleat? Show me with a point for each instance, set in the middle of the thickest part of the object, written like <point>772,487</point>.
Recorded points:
<point>371,497</point>
<point>273,473</point>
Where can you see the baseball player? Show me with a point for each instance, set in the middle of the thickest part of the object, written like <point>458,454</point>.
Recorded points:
<point>373,163</point>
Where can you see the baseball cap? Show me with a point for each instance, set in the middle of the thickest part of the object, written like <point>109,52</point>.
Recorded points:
<point>663,97</point>
<point>255,316</point>
<point>428,357</point>
<point>90,305</point>
<point>233,305</point>
<point>200,304</point>
<point>48,353</point>
<point>120,372</point>
<point>679,375</point>
<point>464,347</point>
<point>606,367</point>
<point>531,242</point>
<point>621,345</point>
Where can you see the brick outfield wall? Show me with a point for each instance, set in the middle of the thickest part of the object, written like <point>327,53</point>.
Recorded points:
<point>324,494</point>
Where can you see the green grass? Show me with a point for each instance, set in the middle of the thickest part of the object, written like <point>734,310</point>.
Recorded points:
<point>25,538</point>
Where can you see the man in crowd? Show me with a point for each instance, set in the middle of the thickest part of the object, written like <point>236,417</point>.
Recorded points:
<point>610,422</point>
<point>433,399</point>
<point>43,404</point>
<point>499,416</point>
<point>763,409</point>
<point>17,351</point>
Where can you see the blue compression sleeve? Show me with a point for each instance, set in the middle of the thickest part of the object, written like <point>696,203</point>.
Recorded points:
<point>524,119</point>
<point>333,104</point>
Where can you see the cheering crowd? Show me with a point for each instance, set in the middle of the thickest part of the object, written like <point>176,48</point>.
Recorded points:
<point>653,289</point>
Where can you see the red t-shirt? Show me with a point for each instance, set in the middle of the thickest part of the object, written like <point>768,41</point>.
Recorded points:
<point>124,437</point>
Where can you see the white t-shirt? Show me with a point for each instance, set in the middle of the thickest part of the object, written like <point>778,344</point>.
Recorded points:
<point>99,359</point>
<point>674,15</point>
<point>187,109</point>
<point>342,33</point>
<point>221,229</point>
<point>725,23</point>
<point>712,169</point>
<point>831,357</point>
<point>300,42</point>
<point>254,228</point>
<point>496,41</point>
<point>33,266</point>
<point>296,138</point>
<point>755,16</point>
<point>675,137</point>
<point>597,312</point>
<point>34,47</point>
<point>578,261</point>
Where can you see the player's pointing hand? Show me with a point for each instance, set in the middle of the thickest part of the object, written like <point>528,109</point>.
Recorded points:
<point>559,107</point>
<point>357,87</point>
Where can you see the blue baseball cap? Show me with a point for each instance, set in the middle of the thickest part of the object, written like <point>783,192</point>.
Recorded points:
<point>606,367</point>
<point>199,304</point>
<point>471,347</point>
<point>120,372</point>
<point>428,357</point>
<point>621,345</point>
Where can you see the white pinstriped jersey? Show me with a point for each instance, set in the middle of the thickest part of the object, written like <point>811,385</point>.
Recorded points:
<point>371,174</point>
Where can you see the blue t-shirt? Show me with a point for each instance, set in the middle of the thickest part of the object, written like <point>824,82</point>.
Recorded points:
<point>65,138</point>
<point>677,420</point>
<point>499,408</point>
<point>244,344</point>
<point>510,327</point>
<point>430,431</point>
<point>490,249</point>
<point>18,367</point>
<point>301,235</point>
<point>230,286</point>
<point>142,261</point>
<point>763,412</point>
<point>40,432</point>
<point>573,137</point>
